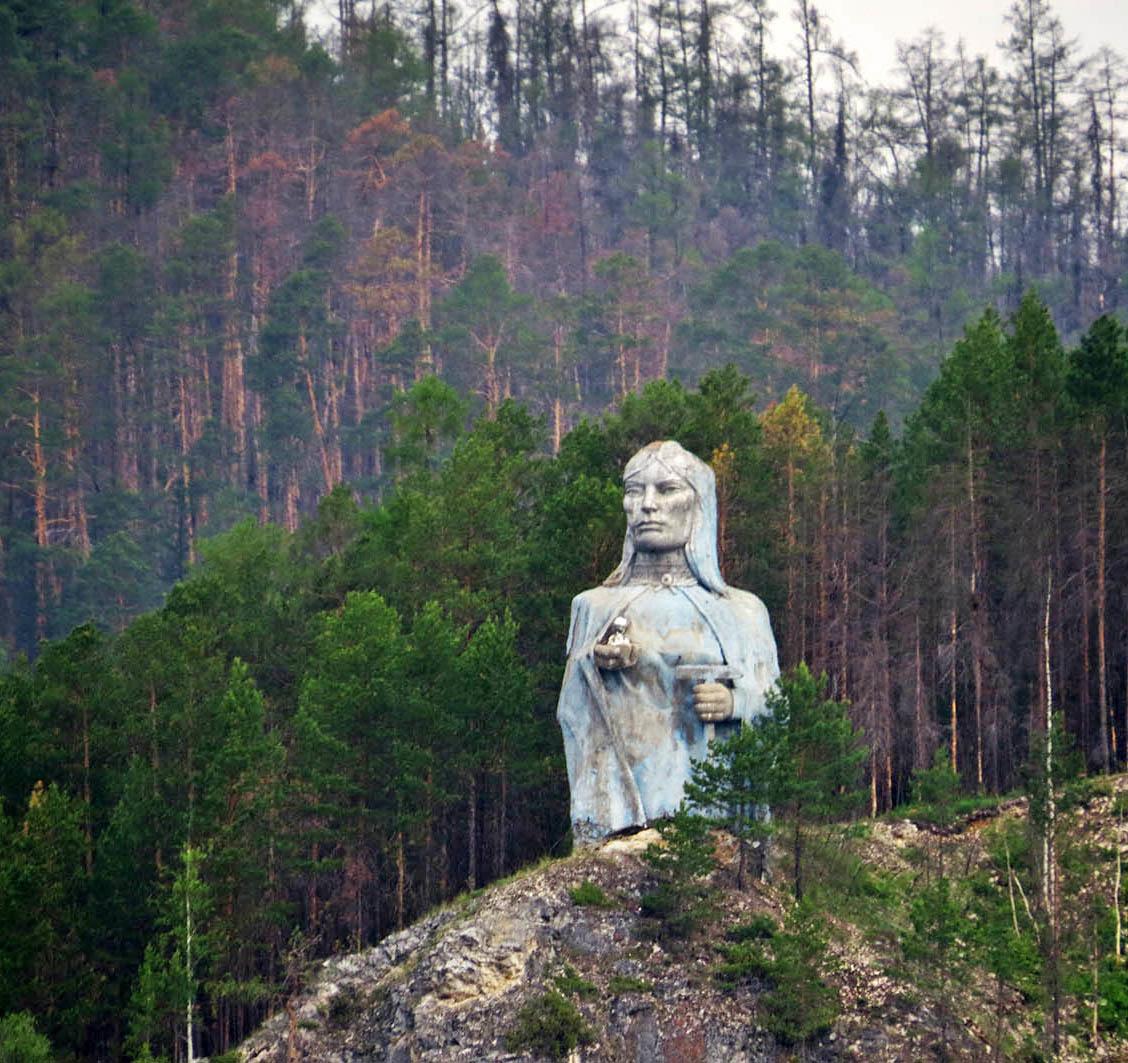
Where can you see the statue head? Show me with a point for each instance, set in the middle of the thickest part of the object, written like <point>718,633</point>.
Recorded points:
<point>665,481</point>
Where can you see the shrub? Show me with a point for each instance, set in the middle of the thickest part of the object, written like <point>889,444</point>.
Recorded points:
<point>798,1004</point>
<point>548,1025</point>
<point>20,1042</point>
<point>758,928</point>
<point>745,961</point>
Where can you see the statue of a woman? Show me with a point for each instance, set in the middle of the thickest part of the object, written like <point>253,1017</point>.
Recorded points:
<point>660,655</point>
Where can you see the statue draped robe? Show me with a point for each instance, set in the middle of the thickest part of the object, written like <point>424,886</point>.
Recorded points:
<point>631,735</point>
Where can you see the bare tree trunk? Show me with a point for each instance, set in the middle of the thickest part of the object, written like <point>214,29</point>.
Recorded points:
<point>1049,856</point>
<point>233,398</point>
<point>87,793</point>
<point>793,621</point>
<point>472,832</point>
<point>502,823</point>
<point>262,472</point>
<point>920,749</point>
<point>186,469</point>
<point>1102,642</point>
<point>39,473</point>
<point>953,705</point>
<point>426,363</point>
<point>1119,949</point>
<point>315,415</point>
<point>977,607</point>
<point>401,880</point>
<point>290,504</point>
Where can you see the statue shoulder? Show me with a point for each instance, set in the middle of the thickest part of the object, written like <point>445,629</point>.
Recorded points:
<point>747,602</point>
<point>591,611</point>
<point>594,599</point>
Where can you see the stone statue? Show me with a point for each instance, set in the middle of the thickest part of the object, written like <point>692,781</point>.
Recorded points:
<point>660,655</point>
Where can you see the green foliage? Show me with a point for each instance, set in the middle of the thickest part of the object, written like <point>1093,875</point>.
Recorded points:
<point>1113,997</point>
<point>682,901</point>
<point>569,982</point>
<point>936,791</point>
<point>797,1004</point>
<point>938,915</point>
<point>743,962</point>
<point>800,1004</point>
<point>424,422</point>
<point>625,983</point>
<point>1097,373</point>
<point>734,785</point>
<point>548,1025</point>
<point>817,758</point>
<point>757,928</point>
<point>589,894</point>
<point>20,1042</point>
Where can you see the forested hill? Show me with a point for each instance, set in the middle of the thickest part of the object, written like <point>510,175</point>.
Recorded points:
<point>226,246</point>
<point>319,370</point>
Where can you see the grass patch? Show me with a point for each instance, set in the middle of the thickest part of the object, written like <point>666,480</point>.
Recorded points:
<point>589,895</point>
<point>625,983</point>
<point>568,981</point>
<point>840,881</point>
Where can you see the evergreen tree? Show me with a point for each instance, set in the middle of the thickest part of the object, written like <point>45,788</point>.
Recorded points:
<point>818,758</point>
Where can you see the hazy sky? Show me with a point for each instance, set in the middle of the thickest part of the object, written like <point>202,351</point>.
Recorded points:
<point>873,27</point>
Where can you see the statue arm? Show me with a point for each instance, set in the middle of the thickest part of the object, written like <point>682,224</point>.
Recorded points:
<point>758,661</point>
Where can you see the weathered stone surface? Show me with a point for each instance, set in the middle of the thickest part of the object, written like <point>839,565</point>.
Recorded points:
<point>662,657</point>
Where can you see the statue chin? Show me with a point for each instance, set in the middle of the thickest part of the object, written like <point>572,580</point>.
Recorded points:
<point>663,623</point>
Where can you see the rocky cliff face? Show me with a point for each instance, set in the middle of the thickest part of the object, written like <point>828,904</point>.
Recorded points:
<point>452,986</point>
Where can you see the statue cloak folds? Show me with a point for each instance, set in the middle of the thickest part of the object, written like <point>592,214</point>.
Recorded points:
<point>630,736</point>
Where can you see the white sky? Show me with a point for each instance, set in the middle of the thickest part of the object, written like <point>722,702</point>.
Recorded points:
<point>872,27</point>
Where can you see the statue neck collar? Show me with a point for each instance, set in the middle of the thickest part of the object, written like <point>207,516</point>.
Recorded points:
<point>665,569</point>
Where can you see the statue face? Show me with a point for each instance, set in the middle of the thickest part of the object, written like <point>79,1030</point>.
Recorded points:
<point>659,505</point>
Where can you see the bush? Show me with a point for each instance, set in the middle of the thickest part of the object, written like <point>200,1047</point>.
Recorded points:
<point>548,1025</point>
<point>588,895</point>
<point>20,1042</point>
<point>758,928</point>
<point>798,1004</point>
<point>744,962</point>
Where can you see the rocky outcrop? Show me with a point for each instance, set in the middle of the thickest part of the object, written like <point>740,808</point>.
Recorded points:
<point>451,986</point>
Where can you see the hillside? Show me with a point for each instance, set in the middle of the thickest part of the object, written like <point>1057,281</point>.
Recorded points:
<point>455,984</point>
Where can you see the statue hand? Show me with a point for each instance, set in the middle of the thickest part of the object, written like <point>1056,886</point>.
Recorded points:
<point>614,656</point>
<point>712,702</point>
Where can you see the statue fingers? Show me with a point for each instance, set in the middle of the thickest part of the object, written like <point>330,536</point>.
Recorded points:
<point>712,702</point>
<point>613,656</point>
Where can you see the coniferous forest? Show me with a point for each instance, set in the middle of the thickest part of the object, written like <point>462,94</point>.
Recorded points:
<point>319,364</point>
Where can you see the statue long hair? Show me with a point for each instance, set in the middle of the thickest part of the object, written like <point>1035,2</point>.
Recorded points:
<point>701,549</point>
